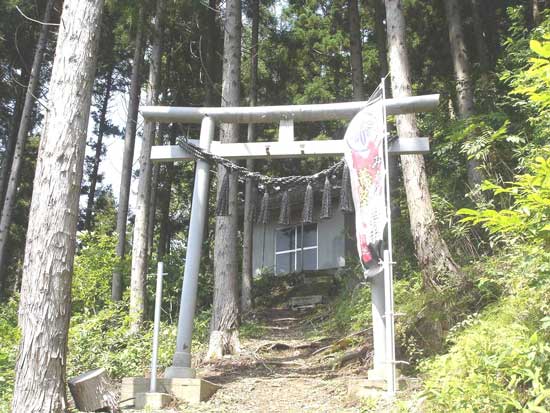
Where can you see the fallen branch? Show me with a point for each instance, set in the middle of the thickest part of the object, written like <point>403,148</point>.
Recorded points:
<point>352,355</point>
<point>284,346</point>
<point>340,344</point>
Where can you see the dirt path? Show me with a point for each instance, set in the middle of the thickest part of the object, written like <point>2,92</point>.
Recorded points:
<point>280,372</point>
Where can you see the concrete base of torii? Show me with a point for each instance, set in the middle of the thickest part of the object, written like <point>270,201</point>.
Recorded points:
<point>191,391</point>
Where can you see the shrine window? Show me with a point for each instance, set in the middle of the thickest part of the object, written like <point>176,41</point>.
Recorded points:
<point>296,249</point>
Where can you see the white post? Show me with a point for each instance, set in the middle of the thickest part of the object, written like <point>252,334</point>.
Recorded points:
<point>388,268</point>
<point>156,328</point>
<point>199,208</point>
<point>378,327</point>
<point>389,318</point>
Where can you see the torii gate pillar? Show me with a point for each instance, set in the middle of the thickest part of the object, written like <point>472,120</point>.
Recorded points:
<point>199,208</point>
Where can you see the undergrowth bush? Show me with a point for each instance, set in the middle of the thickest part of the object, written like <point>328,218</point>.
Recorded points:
<point>499,360</point>
<point>104,340</point>
<point>9,337</point>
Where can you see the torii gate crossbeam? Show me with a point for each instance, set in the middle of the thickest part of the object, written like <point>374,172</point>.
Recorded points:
<point>285,148</point>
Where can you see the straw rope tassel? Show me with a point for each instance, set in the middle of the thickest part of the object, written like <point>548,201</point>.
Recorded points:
<point>253,210</point>
<point>346,201</point>
<point>326,206</point>
<point>222,205</point>
<point>307,213</point>
<point>284,215</point>
<point>264,209</point>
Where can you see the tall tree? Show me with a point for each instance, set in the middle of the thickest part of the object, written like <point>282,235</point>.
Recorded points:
<point>44,310</point>
<point>432,252</point>
<point>211,40</point>
<point>140,241</point>
<point>536,12</point>
<point>224,336</point>
<point>246,282</point>
<point>128,156</point>
<point>15,121</point>
<point>380,34</point>
<point>356,50</point>
<point>480,36</point>
<point>102,126</point>
<point>24,127</point>
<point>464,86</point>
<point>164,196</point>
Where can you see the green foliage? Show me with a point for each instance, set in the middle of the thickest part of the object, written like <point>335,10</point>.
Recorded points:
<point>351,311</point>
<point>527,217</point>
<point>104,340</point>
<point>535,81</point>
<point>500,359</point>
<point>9,337</point>
<point>93,269</point>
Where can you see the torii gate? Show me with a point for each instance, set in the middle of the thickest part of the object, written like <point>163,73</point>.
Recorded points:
<point>286,147</point>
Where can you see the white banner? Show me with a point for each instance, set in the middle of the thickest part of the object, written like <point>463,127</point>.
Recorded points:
<point>364,157</point>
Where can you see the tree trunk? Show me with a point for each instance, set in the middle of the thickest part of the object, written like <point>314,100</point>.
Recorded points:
<point>247,277</point>
<point>128,158</point>
<point>225,316</point>
<point>99,146</point>
<point>356,51</point>
<point>431,250</point>
<point>380,34</point>
<point>44,310</point>
<point>18,152</point>
<point>11,140</point>
<point>93,391</point>
<point>165,195</point>
<point>140,241</point>
<point>212,95</point>
<point>152,208</point>
<point>480,37</point>
<point>536,12</point>
<point>464,87</point>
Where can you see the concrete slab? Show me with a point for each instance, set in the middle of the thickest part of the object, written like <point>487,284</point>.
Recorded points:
<point>188,390</point>
<point>307,301</point>
<point>367,387</point>
<point>154,401</point>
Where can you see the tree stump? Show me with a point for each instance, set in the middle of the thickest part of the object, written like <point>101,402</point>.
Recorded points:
<point>92,391</point>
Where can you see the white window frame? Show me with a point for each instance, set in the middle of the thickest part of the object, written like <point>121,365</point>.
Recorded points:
<point>295,250</point>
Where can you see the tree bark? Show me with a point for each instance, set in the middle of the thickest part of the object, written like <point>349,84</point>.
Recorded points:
<point>431,250</point>
<point>128,157</point>
<point>93,391</point>
<point>380,34</point>
<point>480,37</point>
<point>212,95</point>
<point>225,315</point>
<point>20,142</point>
<point>153,204</point>
<point>12,139</point>
<point>356,51</point>
<point>536,12</point>
<point>464,87</point>
<point>140,241</point>
<point>98,149</point>
<point>44,310</point>
<point>164,233</point>
<point>247,276</point>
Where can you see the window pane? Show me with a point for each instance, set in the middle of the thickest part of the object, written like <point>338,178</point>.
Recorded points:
<point>284,263</point>
<point>310,235</point>
<point>310,260</point>
<point>285,239</point>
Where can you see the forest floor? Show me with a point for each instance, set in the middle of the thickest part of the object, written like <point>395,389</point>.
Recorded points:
<point>287,367</point>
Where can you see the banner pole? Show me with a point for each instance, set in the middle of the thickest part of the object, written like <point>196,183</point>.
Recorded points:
<point>388,268</point>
